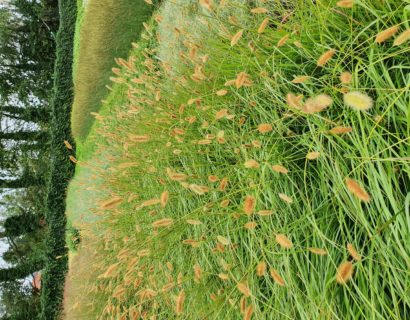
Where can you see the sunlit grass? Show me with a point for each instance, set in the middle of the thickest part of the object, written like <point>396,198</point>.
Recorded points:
<point>326,212</point>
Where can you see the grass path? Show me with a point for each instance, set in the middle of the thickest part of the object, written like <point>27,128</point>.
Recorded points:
<point>101,38</point>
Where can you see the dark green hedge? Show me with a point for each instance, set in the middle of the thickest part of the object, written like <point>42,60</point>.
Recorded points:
<point>61,169</point>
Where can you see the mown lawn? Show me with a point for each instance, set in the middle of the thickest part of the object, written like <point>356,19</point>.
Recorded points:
<point>251,161</point>
<point>101,38</point>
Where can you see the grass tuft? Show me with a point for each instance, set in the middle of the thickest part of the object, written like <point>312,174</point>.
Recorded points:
<point>270,198</point>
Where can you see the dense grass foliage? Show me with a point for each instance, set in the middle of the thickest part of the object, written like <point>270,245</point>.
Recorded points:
<point>107,29</point>
<point>251,161</point>
<point>60,166</point>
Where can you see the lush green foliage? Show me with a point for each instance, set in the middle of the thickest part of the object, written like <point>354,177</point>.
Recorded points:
<point>191,194</point>
<point>61,168</point>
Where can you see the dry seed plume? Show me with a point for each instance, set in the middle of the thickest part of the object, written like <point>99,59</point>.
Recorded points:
<point>357,190</point>
<point>344,272</point>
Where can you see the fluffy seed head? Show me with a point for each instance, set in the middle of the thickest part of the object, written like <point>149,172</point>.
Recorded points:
<point>279,169</point>
<point>265,212</point>
<point>249,204</point>
<point>264,128</point>
<point>283,241</point>
<point>402,38</point>
<point>223,240</point>
<point>68,145</point>
<point>236,37</point>
<point>193,222</point>
<point>166,222</point>
<point>344,272</point>
<point>340,130</point>
<point>345,4</point>
<point>251,164</point>
<point>317,104</point>
<point>300,79</point>
<point>180,302</point>
<point>353,252</point>
<point>244,289</point>
<point>358,100</point>
<point>259,10</point>
<point>357,190</point>
<point>223,184</point>
<point>386,34</point>
<point>282,41</point>
<point>318,251</point>
<point>197,272</point>
<point>261,269</point>
<point>325,57</point>
<point>248,313</point>
<point>278,279</point>
<point>164,198</point>
<point>312,155</point>
<point>263,25</point>
<point>345,77</point>
<point>285,198</point>
<point>111,203</point>
<point>250,225</point>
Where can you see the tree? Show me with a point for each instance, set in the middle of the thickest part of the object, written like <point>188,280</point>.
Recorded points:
<point>18,225</point>
<point>28,114</point>
<point>21,270</point>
